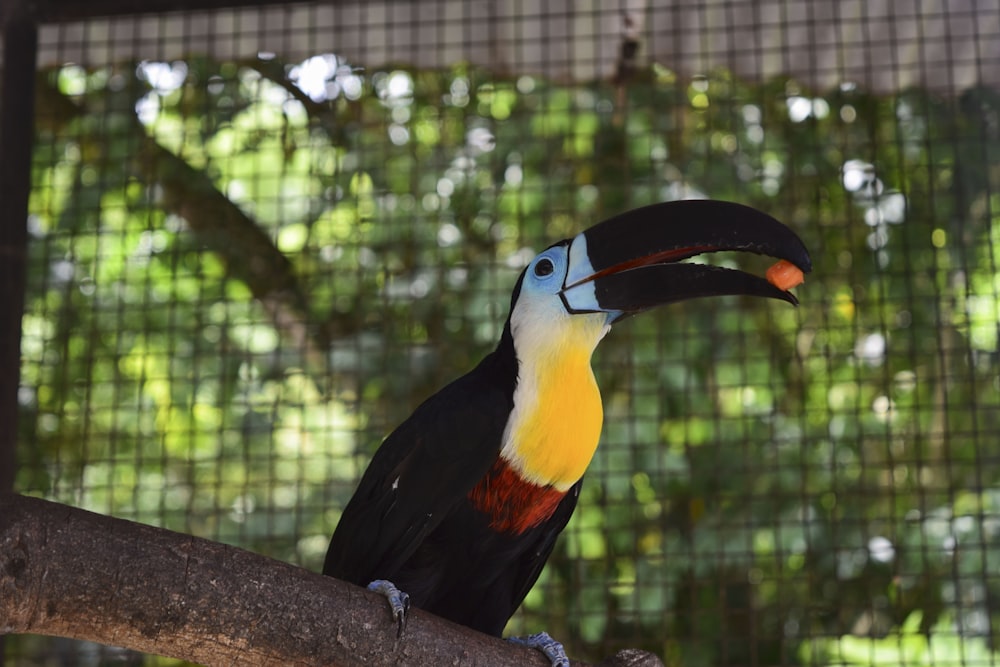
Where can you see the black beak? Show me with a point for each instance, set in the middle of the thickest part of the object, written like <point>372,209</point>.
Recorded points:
<point>630,263</point>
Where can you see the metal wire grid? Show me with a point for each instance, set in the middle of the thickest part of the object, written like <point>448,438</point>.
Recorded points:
<point>884,46</point>
<point>693,522</point>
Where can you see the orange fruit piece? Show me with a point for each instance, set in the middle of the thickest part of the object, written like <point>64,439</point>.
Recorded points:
<point>784,275</point>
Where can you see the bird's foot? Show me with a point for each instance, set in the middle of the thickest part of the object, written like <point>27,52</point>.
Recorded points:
<point>398,601</point>
<point>541,641</point>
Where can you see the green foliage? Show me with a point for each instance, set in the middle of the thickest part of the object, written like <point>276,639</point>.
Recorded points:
<point>770,480</point>
<point>942,647</point>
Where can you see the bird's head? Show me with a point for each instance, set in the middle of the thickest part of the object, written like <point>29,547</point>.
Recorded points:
<point>632,262</point>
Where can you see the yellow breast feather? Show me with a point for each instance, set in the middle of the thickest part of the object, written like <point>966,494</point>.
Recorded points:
<point>555,426</point>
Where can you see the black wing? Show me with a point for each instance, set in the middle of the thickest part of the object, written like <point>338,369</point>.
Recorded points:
<point>420,472</point>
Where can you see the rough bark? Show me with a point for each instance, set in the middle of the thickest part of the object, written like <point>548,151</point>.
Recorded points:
<point>73,573</point>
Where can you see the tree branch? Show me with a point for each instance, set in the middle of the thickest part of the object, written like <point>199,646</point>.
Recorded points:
<point>73,573</point>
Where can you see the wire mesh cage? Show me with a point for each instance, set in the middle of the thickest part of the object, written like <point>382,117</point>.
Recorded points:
<point>260,236</point>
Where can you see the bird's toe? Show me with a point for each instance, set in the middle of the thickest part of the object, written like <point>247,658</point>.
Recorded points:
<point>541,641</point>
<point>399,601</point>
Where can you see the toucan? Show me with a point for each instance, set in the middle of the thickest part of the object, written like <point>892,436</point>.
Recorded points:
<point>461,505</point>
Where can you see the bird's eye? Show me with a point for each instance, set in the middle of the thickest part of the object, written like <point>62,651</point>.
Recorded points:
<point>544,267</point>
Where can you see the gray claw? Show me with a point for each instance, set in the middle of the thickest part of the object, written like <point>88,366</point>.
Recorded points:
<point>399,601</point>
<point>541,641</point>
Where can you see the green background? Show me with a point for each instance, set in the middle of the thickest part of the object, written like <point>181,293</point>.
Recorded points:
<point>236,290</point>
